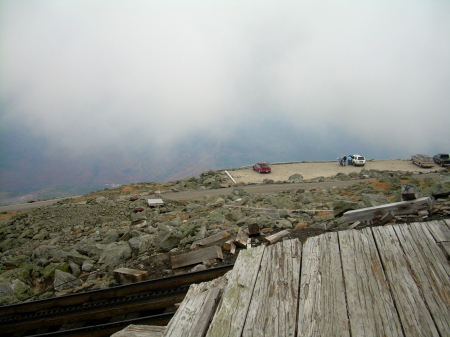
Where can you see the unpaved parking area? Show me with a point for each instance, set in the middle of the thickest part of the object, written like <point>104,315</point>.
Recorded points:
<point>309,170</point>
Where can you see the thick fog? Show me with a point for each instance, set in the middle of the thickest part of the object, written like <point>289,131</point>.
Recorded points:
<point>78,76</point>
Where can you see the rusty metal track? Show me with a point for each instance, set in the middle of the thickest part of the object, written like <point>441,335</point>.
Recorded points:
<point>148,296</point>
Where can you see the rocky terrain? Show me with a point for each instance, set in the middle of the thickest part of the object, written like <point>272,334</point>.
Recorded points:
<point>76,244</point>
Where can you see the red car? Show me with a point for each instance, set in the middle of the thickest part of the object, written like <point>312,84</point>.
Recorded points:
<point>262,168</point>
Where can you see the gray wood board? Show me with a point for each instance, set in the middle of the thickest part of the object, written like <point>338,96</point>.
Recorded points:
<point>398,208</point>
<point>322,304</point>
<point>431,271</point>
<point>273,307</point>
<point>439,230</point>
<point>370,304</point>
<point>413,312</point>
<point>195,312</point>
<point>232,311</point>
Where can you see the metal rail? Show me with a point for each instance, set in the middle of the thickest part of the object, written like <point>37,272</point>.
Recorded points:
<point>146,296</point>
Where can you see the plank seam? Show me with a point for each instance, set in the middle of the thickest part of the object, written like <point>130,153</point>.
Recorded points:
<point>388,283</point>
<point>298,290</point>
<point>344,285</point>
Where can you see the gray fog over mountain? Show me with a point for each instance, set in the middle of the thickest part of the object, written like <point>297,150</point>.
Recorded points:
<point>113,92</point>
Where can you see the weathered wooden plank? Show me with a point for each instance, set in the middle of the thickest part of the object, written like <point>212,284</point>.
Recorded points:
<point>446,249</point>
<point>398,208</point>
<point>195,312</point>
<point>322,305</point>
<point>430,269</point>
<point>412,310</point>
<point>271,239</point>
<point>273,307</point>
<point>370,304</point>
<point>217,239</point>
<point>128,275</point>
<point>197,256</point>
<point>439,230</point>
<point>232,311</point>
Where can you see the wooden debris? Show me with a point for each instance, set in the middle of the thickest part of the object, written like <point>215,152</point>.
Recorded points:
<point>398,208</point>
<point>155,202</point>
<point>233,248</point>
<point>355,224</point>
<point>409,192</point>
<point>253,229</point>
<point>271,239</point>
<point>241,238</point>
<point>159,258</point>
<point>217,239</point>
<point>387,217</point>
<point>197,256</point>
<point>128,276</point>
<point>227,244</point>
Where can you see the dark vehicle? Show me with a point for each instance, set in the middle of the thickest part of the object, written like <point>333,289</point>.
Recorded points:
<point>442,159</point>
<point>422,160</point>
<point>262,168</point>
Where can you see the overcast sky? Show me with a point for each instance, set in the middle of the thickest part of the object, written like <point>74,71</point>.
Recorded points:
<point>82,74</point>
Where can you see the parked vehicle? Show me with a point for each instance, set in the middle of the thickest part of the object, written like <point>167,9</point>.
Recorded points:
<point>422,160</point>
<point>358,160</point>
<point>262,168</point>
<point>442,159</point>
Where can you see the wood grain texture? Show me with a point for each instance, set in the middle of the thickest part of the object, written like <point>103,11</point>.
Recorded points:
<point>370,304</point>
<point>430,269</point>
<point>195,312</point>
<point>322,305</point>
<point>273,306</point>
<point>413,312</point>
<point>232,312</point>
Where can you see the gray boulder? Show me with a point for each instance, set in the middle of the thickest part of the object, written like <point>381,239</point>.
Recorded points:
<point>283,223</point>
<point>64,281</point>
<point>295,178</point>
<point>115,253</point>
<point>141,244</point>
<point>6,289</point>
<point>47,252</point>
<point>371,200</point>
<point>342,206</point>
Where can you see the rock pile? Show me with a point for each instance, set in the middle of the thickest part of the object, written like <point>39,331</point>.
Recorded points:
<point>75,245</point>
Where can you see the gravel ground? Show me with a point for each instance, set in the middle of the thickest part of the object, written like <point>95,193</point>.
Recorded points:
<point>309,170</point>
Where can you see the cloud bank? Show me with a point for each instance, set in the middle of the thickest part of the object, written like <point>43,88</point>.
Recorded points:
<point>82,76</point>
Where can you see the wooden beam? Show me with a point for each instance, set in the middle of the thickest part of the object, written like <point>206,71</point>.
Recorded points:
<point>398,208</point>
<point>271,239</point>
<point>253,229</point>
<point>217,239</point>
<point>197,256</point>
<point>128,276</point>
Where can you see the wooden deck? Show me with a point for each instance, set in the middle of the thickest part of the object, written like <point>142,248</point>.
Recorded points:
<point>380,281</point>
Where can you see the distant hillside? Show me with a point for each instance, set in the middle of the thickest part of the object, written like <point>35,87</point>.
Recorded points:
<point>30,171</point>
